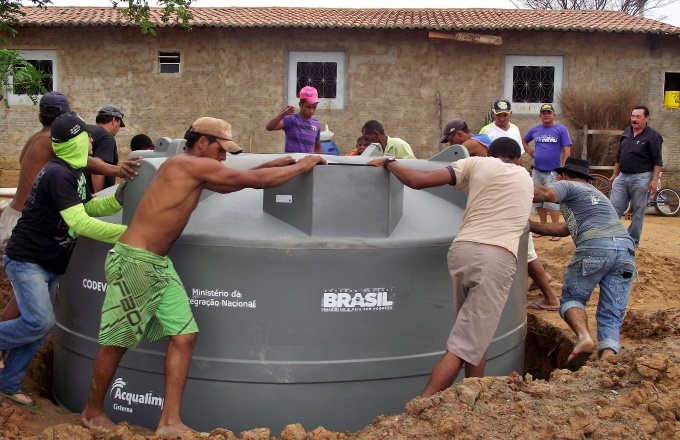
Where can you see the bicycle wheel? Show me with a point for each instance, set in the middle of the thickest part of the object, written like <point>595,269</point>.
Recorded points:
<point>667,202</point>
<point>601,183</point>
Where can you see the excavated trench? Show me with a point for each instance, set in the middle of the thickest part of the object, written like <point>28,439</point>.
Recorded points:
<point>547,347</point>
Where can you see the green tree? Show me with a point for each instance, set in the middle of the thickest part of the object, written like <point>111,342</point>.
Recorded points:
<point>19,76</point>
<point>137,10</point>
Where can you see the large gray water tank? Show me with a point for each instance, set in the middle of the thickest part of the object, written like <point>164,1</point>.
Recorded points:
<point>325,301</point>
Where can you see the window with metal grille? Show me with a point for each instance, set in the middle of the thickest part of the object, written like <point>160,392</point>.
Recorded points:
<point>42,66</point>
<point>531,81</point>
<point>168,62</point>
<point>325,71</point>
<point>45,61</point>
<point>533,84</point>
<point>320,75</point>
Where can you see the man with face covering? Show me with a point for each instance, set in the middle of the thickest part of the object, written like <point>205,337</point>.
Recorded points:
<point>57,210</point>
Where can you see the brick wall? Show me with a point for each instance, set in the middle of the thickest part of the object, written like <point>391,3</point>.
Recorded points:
<point>394,76</point>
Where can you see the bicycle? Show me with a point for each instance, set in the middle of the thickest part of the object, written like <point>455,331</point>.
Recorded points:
<point>666,201</point>
<point>601,183</point>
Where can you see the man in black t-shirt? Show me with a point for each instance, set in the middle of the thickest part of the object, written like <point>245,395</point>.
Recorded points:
<point>109,122</point>
<point>57,210</point>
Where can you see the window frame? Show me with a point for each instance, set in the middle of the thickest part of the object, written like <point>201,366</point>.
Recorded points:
<point>178,64</point>
<point>295,57</point>
<point>556,61</point>
<point>36,55</point>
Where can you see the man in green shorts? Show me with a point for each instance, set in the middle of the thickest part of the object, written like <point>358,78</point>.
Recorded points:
<point>145,297</point>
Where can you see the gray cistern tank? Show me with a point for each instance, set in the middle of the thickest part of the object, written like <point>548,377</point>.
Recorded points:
<point>325,301</point>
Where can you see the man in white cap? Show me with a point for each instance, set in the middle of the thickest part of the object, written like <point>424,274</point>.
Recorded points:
<point>138,264</point>
<point>501,125</point>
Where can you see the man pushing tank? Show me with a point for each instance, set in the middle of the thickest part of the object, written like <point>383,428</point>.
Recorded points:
<point>145,296</point>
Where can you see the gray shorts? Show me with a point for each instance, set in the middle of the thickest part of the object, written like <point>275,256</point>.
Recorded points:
<point>8,220</point>
<point>482,277</point>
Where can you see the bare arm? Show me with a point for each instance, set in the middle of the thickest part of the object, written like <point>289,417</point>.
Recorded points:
<point>125,171</point>
<point>545,194</point>
<point>317,147</point>
<point>616,172</point>
<point>652,185</point>
<point>566,152</point>
<point>475,148</point>
<point>280,162</point>
<point>277,122</point>
<point>416,179</point>
<point>527,148</point>
<point>228,180</point>
<point>553,229</point>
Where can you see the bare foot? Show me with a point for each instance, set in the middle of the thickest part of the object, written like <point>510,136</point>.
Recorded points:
<point>580,354</point>
<point>172,430</point>
<point>99,422</point>
<point>607,353</point>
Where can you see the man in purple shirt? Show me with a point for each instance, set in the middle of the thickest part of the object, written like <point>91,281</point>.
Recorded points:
<point>552,146</point>
<point>303,132</point>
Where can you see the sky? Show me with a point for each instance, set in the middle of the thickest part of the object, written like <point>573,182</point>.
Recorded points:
<point>671,12</point>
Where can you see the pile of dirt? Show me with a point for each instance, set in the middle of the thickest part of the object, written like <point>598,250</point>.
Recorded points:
<point>632,396</point>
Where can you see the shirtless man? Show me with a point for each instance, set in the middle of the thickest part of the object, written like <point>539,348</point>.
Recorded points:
<point>158,221</point>
<point>35,154</point>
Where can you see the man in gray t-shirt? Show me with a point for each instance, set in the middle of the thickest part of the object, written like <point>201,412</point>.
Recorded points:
<point>605,255</point>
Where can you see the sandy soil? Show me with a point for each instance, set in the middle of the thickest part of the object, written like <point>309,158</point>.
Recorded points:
<point>632,396</point>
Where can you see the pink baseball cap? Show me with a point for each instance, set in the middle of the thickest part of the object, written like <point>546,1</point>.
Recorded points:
<point>309,94</point>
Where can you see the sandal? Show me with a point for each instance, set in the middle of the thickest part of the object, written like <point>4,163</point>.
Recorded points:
<point>18,397</point>
<point>535,235</point>
<point>555,238</point>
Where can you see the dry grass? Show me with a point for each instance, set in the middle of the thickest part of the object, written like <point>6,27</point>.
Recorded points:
<point>600,109</point>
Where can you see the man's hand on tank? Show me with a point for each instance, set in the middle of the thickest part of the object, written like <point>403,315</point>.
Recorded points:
<point>310,161</point>
<point>126,171</point>
<point>379,162</point>
<point>283,161</point>
<point>120,192</point>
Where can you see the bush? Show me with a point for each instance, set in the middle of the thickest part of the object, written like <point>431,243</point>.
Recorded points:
<point>600,109</point>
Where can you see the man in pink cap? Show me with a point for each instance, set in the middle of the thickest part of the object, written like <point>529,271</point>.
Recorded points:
<point>303,132</point>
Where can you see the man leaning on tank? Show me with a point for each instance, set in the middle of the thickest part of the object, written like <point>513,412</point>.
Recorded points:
<point>138,264</point>
<point>499,194</point>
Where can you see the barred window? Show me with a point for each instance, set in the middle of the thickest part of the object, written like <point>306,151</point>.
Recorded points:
<point>45,61</point>
<point>533,84</point>
<point>320,75</point>
<point>531,81</point>
<point>325,71</point>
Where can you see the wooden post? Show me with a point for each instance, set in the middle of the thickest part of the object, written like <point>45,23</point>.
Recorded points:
<point>584,146</point>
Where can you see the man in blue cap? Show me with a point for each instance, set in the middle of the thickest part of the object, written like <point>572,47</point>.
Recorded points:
<point>58,209</point>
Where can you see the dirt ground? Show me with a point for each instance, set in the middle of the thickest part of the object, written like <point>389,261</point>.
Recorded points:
<point>633,396</point>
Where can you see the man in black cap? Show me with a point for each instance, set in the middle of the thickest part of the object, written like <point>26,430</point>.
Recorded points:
<point>457,132</point>
<point>58,209</point>
<point>35,154</point>
<point>605,255</point>
<point>109,122</point>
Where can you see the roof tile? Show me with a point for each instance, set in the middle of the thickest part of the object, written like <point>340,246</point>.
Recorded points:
<point>430,19</point>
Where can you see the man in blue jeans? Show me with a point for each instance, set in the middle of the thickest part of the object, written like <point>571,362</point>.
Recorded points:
<point>56,212</point>
<point>552,146</point>
<point>636,170</point>
<point>605,255</point>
